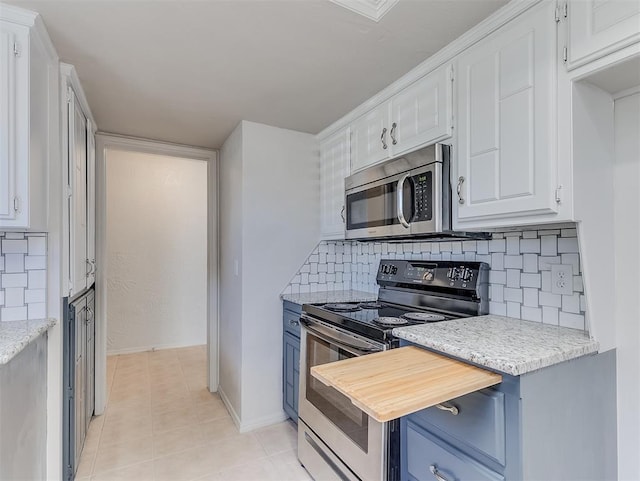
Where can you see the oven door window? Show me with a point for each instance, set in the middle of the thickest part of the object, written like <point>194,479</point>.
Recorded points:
<point>377,206</point>
<point>352,421</point>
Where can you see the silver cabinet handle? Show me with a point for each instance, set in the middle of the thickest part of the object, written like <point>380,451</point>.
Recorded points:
<point>400,201</point>
<point>382,138</point>
<point>436,473</point>
<point>394,141</point>
<point>89,269</point>
<point>342,214</point>
<point>293,322</point>
<point>89,314</point>
<point>459,190</point>
<point>452,409</point>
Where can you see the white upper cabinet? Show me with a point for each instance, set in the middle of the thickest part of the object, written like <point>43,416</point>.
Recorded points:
<point>334,167</point>
<point>418,115</point>
<point>597,28</point>
<point>506,155</point>
<point>25,65</point>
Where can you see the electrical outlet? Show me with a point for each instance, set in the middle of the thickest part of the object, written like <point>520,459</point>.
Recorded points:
<point>562,279</point>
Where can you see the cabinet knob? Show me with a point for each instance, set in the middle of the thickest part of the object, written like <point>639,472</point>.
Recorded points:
<point>383,138</point>
<point>293,322</point>
<point>436,473</point>
<point>459,190</point>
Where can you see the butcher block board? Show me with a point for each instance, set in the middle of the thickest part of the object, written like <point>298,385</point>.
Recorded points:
<point>391,384</point>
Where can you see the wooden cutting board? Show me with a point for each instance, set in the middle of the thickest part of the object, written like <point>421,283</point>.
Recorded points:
<point>391,384</point>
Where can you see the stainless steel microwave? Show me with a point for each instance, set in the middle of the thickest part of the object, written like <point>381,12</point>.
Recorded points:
<point>402,197</point>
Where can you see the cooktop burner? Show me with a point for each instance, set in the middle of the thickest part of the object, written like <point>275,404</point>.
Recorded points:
<point>370,305</point>
<point>390,321</point>
<point>423,316</point>
<point>341,307</point>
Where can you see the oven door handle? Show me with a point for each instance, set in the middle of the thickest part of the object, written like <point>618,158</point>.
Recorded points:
<point>400,200</point>
<point>319,331</point>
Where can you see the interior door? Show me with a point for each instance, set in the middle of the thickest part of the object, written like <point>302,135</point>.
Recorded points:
<point>78,211</point>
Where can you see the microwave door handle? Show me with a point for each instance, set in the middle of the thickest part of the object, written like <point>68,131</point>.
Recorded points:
<point>400,200</point>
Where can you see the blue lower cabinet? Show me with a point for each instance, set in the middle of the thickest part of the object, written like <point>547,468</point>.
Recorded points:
<point>429,458</point>
<point>290,359</point>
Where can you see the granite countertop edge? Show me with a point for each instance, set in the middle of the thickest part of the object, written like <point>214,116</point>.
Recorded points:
<point>16,335</point>
<point>499,360</point>
<point>323,297</point>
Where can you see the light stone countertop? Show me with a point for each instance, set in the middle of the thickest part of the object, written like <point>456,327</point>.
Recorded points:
<point>508,345</point>
<point>323,297</point>
<point>16,335</point>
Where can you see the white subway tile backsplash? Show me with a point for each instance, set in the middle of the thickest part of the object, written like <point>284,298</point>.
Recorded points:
<point>13,313</point>
<point>13,263</point>
<point>519,280</point>
<point>10,246</point>
<point>23,276</point>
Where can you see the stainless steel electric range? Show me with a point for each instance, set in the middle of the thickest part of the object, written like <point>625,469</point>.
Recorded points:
<point>336,440</point>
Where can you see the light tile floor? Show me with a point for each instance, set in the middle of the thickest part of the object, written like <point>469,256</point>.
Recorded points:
<point>161,423</point>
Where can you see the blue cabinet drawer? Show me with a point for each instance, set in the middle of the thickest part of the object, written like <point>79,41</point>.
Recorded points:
<point>291,320</point>
<point>478,425</point>
<point>429,457</point>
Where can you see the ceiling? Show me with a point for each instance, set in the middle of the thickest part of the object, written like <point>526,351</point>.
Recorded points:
<point>188,71</point>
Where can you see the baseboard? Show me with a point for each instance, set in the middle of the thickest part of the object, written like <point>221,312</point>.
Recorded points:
<point>262,422</point>
<point>227,403</point>
<point>245,427</point>
<point>133,350</point>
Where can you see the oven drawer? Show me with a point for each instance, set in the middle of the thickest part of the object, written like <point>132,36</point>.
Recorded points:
<point>479,423</point>
<point>429,457</point>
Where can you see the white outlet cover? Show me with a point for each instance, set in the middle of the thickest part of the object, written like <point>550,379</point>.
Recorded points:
<point>562,279</point>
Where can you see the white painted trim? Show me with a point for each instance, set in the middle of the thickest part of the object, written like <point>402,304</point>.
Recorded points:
<point>255,424</point>
<point>626,93</point>
<point>604,63</point>
<point>160,347</point>
<point>19,15</point>
<point>262,422</point>
<point>71,78</point>
<point>371,9</point>
<point>116,142</point>
<point>229,406</point>
<point>446,54</point>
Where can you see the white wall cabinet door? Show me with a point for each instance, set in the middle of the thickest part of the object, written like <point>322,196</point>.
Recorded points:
<point>370,138</point>
<point>79,267</point>
<point>91,204</point>
<point>422,112</point>
<point>597,28</point>
<point>506,156</point>
<point>24,142</point>
<point>335,156</point>
<point>418,115</point>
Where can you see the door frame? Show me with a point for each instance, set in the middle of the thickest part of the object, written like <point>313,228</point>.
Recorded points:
<point>105,142</point>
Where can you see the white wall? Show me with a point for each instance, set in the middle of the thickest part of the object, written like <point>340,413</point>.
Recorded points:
<point>281,171</point>
<point>627,292</point>
<point>157,251</point>
<point>230,272</point>
<point>276,174</point>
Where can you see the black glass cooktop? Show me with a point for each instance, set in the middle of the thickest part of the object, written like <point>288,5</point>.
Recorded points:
<point>362,320</point>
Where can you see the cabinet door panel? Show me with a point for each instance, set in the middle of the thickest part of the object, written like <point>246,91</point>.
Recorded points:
<point>335,156</point>
<point>78,179</point>
<point>421,112</point>
<point>7,112</point>
<point>367,146</point>
<point>91,203</point>
<point>507,152</point>
<point>597,28</point>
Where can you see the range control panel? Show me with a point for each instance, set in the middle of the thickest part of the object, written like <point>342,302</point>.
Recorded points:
<point>441,274</point>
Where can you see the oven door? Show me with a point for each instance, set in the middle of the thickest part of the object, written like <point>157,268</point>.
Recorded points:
<point>399,205</point>
<point>358,441</point>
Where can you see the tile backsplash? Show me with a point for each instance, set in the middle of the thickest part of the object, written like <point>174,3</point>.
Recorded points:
<point>520,277</point>
<point>23,276</point>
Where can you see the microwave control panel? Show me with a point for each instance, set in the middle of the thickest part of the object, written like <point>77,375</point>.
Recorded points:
<point>423,197</point>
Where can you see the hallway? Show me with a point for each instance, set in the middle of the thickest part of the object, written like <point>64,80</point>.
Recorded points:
<point>161,423</point>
